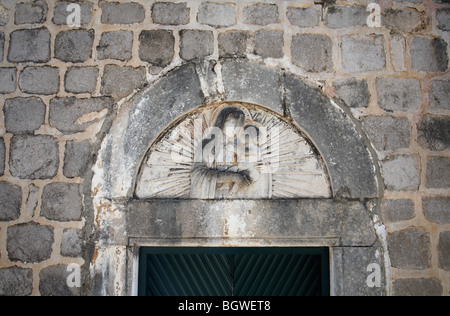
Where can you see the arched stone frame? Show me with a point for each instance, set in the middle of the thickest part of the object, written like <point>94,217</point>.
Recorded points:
<point>349,223</point>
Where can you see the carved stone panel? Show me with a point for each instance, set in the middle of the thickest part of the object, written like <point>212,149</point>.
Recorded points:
<point>233,151</point>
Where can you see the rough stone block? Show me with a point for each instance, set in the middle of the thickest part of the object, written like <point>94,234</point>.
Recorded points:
<point>261,14</point>
<point>10,201</point>
<point>34,157</point>
<point>2,156</point>
<point>440,95</point>
<point>39,80</point>
<point>4,15</point>
<point>418,287</point>
<point>165,13</point>
<point>81,79</point>
<point>15,281</point>
<point>53,282</point>
<point>119,82</point>
<point>343,17</point>
<point>301,17</point>
<point>388,133</point>
<point>437,209</point>
<point>30,13</point>
<point>444,251</point>
<point>24,115</point>
<point>362,55</point>
<point>401,243</point>
<point>401,20</point>
<point>8,80</point>
<point>355,93</point>
<point>395,211</point>
<point>72,241</point>
<point>62,202</point>
<point>76,158</point>
<point>71,115</point>
<point>269,43</point>
<point>429,54</point>
<point>434,132</point>
<point>29,242</point>
<point>116,45</point>
<point>29,46</point>
<point>443,17</point>
<point>313,53</point>
<point>196,44</point>
<point>398,94</point>
<point>2,45</point>
<point>402,173</point>
<point>157,47</point>
<point>438,173</point>
<point>233,43</point>
<point>61,14</point>
<point>74,45</point>
<point>122,13</point>
<point>217,14</point>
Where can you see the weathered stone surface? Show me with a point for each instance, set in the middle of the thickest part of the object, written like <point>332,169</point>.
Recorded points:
<point>74,45</point>
<point>387,133</point>
<point>62,202</point>
<point>29,242</point>
<point>362,55</point>
<point>165,13</point>
<point>10,201</point>
<point>116,45</point>
<point>304,17</point>
<point>233,44</point>
<point>39,80</point>
<point>217,14</point>
<point>401,243</point>
<point>122,13</point>
<point>437,209</point>
<point>401,173</point>
<point>2,156</point>
<point>53,282</point>
<point>443,17</point>
<point>269,43</point>
<point>15,281</point>
<point>418,287</point>
<point>343,17</point>
<point>8,80</point>
<point>2,45</point>
<point>81,79</point>
<point>261,14</point>
<point>398,52</point>
<point>438,172</point>
<point>434,132</point>
<point>313,53</point>
<point>34,157</point>
<point>397,211</point>
<point>429,54</point>
<point>24,115</point>
<point>29,46</point>
<point>61,14</point>
<point>70,115</point>
<point>401,20</point>
<point>355,93</point>
<point>196,44</point>
<point>4,15</point>
<point>398,94</point>
<point>119,82</point>
<point>76,158</point>
<point>30,13</point>
<point>253,83</point>
<point>72,241</point>
<point>444,250</point>
<point>440,95</point>
<point>157,47</point>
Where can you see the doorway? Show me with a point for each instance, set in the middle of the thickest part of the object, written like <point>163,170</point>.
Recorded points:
<point>234,272</point>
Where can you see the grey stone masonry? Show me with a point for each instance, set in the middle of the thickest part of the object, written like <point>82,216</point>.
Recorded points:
<point>261,14</point>
<point>4,16</point>
<point>233,43</point>
<point>401,243</point>
<point>29,242</point>
<point>388,133</point>
<point>8,80</point>
<point>15,281</point>
<point>76,158</point>
<point>403,20</point>
<point>39,80</point>
<point>269,43</point>
<point>443,17</point>
<point>401,173</point>
<point>165,13</point>
<point>440,95</point>
<point>362,55</point>
<point>53,282</point>
<point>196,44</point>
<point>355,93</point>
<point>74,45</point>
<point>2,45</point>
<point>24,115</point>
<point>438,173</point>
<point>72,241</point>
<point>396,94</point>
<point>342,17</point>
<point>418,287</point>
<point>29,46</point>
<point>157,47</point>
<point>397,210</point>
<point>313,53</point>
<point>62,202</point>
<point>217,14</point>
<point>34,157</point>
<point>2,156</point>
<point>61,13</point>
<point>444,254</point>
<point>81,79</point>
<point>29,13</point>
<point>122,13</point>
<point>116,45</point>
<point>304,17</point>
<point>119,82</point>
<point>436,209</point>
<point>429,54</point>
<point>10,201</point>
<point>434,132</point>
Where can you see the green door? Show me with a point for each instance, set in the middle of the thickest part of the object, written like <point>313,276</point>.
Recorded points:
<point>234,272</point>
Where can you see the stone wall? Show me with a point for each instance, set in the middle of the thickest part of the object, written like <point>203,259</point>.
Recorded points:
<point>61,86</point>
